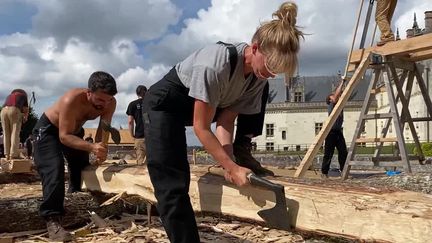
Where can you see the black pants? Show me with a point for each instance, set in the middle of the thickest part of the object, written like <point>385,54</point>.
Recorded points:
<point>253,124</point>
<point>334,139</point>
<point>49,154</point>
<point>167,110</point>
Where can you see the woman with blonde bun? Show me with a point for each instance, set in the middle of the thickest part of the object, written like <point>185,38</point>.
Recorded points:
<point>215,83</point>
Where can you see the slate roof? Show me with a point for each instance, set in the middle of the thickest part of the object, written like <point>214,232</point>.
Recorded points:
<point>316,88</point>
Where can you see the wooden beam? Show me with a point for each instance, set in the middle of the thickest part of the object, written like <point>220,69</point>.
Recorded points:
<point>334,207</point>
<point>16,165</point>
<point>375,140</point>
<point>417,47</point>
<point>378,90</point>
<point>421,55</point>
<point>319,139</point>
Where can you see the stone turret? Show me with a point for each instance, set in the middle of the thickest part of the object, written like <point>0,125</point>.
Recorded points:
<point>415,30</point>
<point>428,22</point>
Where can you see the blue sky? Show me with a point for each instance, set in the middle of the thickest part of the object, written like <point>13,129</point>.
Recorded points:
<point>50,46</point>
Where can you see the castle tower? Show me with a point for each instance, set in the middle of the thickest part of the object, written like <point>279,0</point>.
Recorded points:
<point>428,22</point>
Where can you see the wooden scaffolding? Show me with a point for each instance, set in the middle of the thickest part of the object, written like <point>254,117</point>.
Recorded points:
<point>397,61</point>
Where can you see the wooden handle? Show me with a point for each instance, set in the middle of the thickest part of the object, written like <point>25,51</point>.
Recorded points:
<point>216,170</point>
<point>105,137</point>
<point>264,183</point>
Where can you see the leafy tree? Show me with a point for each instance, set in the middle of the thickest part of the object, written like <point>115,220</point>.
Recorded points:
<point>426,148</point>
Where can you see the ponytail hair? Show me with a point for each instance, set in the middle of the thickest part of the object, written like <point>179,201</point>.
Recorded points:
<point>278,39</point>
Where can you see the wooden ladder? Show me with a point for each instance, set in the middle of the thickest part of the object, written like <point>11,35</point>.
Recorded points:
<point>319,139</point>
<point>411,50</point>
<point>385,68</point>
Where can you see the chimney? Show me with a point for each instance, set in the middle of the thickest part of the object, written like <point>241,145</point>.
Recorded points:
<point>428,22</point>
<point>409,33</point>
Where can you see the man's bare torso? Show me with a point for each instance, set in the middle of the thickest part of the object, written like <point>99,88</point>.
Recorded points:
<point>77,106</point>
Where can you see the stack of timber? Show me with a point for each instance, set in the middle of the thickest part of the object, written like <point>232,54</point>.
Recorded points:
<point>333,208</point>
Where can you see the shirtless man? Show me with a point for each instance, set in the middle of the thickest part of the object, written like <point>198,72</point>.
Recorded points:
<point>59,134</point>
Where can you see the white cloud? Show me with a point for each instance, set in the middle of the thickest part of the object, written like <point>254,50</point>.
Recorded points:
<point>101,21</point>
<point>138,76</point>
<point>131,39</point>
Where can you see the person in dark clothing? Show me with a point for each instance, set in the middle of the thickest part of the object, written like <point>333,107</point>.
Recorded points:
<point>1,145</point>
<point>215,83</point>
<point>59,134</point>
<point>335,138</point>
<point>248,127</point>
<point>29,146</point>
<point>136,126</point>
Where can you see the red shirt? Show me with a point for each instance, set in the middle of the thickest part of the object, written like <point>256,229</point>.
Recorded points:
<point>17,99</point>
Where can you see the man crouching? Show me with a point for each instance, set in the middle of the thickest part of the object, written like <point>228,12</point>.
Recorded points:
<point>59,134</point>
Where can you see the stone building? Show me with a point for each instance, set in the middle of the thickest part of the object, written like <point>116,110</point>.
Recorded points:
<point>297,108</point>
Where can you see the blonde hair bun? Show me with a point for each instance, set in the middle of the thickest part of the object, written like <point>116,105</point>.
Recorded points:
<point>278,39</point>
<point>287,14</point>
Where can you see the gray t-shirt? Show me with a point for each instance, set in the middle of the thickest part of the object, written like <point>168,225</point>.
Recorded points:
<point>206,73</point>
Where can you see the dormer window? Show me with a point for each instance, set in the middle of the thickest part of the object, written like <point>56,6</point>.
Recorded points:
<point>298,96</point>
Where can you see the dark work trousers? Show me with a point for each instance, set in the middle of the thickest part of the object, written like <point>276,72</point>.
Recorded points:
<point>49,154</point>
<point>334,139</point>
<point>167,110</point>
<point>253,124</point>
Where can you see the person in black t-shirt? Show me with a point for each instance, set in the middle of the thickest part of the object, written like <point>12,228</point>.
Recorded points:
<point>335,138</point>
<point>136,126</point>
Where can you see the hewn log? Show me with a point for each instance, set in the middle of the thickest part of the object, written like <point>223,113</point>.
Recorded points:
<point>334,208</point>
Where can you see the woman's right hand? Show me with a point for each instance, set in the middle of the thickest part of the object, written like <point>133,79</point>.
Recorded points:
<point>238,175</point>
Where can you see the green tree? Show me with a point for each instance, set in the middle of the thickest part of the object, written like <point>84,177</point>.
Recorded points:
<point>426,148</point>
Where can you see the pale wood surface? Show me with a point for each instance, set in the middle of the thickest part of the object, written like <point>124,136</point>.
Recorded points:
<point>16,165</point>
<point>332,207</point>
<point>126,138</point>
<point>418,48</point>
<point>374,140</point>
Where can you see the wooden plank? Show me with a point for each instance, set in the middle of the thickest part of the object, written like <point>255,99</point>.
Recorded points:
<point>378,90</point>
<point>422,119</point>
<point>385,130</point>
<point>378,116</point>
<point>375,140</point>
<point>319,139</point>
<point>333,207</point>
<point>16,165</point>
<point>412,46</point>
<point>419,56</point>
<point>360,123</point>
<point>394,110</point>
<point>395,158</point>
<point>376,163</point>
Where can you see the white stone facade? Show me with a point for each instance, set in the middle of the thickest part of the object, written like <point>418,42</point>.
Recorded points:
<point>292,126</point>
